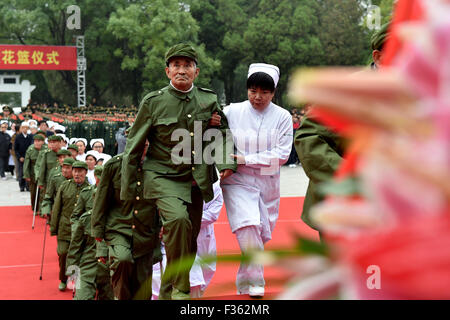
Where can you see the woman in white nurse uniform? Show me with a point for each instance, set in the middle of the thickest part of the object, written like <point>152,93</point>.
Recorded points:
<point>262,134</point>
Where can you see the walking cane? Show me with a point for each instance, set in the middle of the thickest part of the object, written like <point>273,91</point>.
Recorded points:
<point>43,249</point>
<point>35,205</point>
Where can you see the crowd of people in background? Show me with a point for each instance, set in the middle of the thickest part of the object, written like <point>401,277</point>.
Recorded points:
<point>17,132</point>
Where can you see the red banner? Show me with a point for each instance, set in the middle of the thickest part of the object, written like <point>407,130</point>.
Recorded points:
<point>18,57</point>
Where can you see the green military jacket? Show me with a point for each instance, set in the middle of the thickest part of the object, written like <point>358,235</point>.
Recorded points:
<point>160,114</point>
<point>38,160</point>
<point>48,161</point>
<point>320,152</point>
<point>135,223</point>
<point>65,202</point>
<point>30,161</point>
<point>85,202</point>
<point>53,185</point>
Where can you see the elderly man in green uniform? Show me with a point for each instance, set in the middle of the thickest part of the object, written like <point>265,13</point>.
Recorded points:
<point>57,177</point>
<point>94,279</point>
<point>177,187</point>
<point>49,160</point>
<point>131,230</point>
<point>65,202</point>
<point>36,167</point>
<point>320,150</point>
<point>28,167</point>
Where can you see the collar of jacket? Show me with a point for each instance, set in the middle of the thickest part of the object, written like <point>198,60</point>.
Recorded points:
<point>181,95</point>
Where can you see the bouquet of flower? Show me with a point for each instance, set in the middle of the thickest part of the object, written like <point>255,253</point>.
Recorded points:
<point>397,226</point>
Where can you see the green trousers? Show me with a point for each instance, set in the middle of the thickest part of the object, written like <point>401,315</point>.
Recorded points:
<point>62,249</point>
<point>131,278</point>
<point>100,288</point>
<point>181,223</point>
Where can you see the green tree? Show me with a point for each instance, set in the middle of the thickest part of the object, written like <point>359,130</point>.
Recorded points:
<point>43,22</point>
<point>147,28</point>
<point>284,33</point>
<point>222,26</point>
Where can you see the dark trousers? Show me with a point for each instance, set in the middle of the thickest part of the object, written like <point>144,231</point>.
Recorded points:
<point>23,184</point>
<point>3,165</point>
<point>181,223</point>
<point>33,189</point>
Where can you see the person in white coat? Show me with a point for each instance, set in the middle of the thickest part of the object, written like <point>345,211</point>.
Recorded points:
<point>91,160</point>
<point>81,144</point>
<point>201,273</point>
<point>262,133</point>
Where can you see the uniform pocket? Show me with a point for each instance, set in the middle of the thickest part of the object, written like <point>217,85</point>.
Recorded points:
<point>165,127</point>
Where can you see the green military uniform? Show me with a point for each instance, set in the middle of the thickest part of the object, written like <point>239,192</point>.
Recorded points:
<point>320,152</point>
<point>65,202</point>
<point>131,230</point>
<point>94,275</point>
<point>177,190</point>
<point>109,135</point>
<point>53,186</point>
<point>28,170</point>
<point>48,161</point>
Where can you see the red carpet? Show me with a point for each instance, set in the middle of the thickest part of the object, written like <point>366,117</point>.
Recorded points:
<point>21,253</point>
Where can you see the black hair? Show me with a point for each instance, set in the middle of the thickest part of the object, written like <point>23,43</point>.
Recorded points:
<point>261,80</point>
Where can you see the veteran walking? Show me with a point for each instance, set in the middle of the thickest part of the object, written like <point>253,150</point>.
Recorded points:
<point>177,188</point>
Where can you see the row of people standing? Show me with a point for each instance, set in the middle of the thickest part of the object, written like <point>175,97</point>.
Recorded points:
<point>15,143</point>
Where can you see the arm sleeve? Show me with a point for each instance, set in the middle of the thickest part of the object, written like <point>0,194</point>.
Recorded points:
<point>102,249</point>
<point>16,149</point>
<point>227,146</point>
<point>279,154</point>
<point>42,170</point>
<point>27,166</point>
<point>48,200</point>
<point>56,212</point>
<point>317,151</point>
<point>134,148</point>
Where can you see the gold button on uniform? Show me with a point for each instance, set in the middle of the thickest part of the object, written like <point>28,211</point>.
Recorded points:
<point>189,116</point>
<point>137,198</point>
<point>192,134</point>
<point>135,212</point>
<point>138,183</point>
<point>133,226</point>
<point>193,169</point>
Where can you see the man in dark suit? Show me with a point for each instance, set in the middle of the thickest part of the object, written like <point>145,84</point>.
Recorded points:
<point>5,148</point>
<point>21,144</point>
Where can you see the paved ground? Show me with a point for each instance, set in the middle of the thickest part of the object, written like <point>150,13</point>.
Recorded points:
<point>293,184</point>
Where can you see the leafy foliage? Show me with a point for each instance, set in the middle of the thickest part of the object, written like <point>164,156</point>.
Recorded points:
<point>126,41</point>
